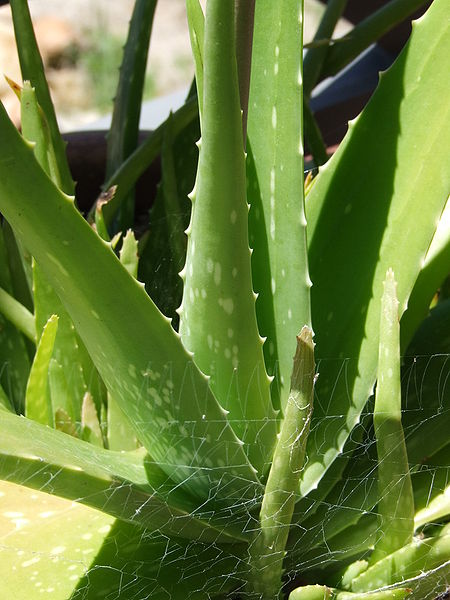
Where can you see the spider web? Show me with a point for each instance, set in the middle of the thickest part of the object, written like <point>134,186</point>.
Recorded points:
<point>55,548</point>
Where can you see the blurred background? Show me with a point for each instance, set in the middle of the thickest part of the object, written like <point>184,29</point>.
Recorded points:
<point>81,44</point>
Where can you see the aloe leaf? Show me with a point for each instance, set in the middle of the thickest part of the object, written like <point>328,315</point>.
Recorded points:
<point>65,350</point>
<point>313,137</point>
<point>33,70</point>
<point>163,256</point>
<point>64,423</point>
<point>60,396</point>
<point>46,543</point>
<point>425,379</point>
<point>277,221</point>
<point>14,364</point>
<point>426,386</point>
<point>425,555</point>
<point>311,592</point>
<point>14,358</point>
<point>334,553</point>
<point>19,262</point>
<point>434,271</point>
<point>217,275</point>
<point>35,129</point>
<point>17,314</point>
<point>128,486</point>
<point>351,505</point>
<point>268,550</point>
<point>322,592</point>
<point>389,594</point>
<point>5,403</point>
<point>432,490</point>
<point>134,565</point>
<point>37,399</point>
<point>132,168</point>
<point>366,33</point>
<point>90,423</point>
<point>134,348</point>
<point>123,135</point>
<point>396,502</point>
<point>69,550</point>
<point>174,200</point>
<point>354,236</point>
<point>196,23</point>
<point>244,24</point>
<point>120,434</point>
<point>352,571</point>
<point>129,254</point>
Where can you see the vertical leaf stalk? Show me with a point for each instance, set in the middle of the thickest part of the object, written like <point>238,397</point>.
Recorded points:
<point>268,550</point>
<point>396,502</point>
<point>277,218</point>
<point>123,135</point>
<point>217,314</point>
<point>32,69</point>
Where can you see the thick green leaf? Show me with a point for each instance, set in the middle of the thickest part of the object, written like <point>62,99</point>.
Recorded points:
<point>282,483</point>
<point>46,303</point>
<point>129,253</point>
<point>5,403</point>
<point>120,433</point>
<point>46,543</point>
<point>35,129</point>
<point>217,314</point>
<point>322,592</point>
<point>19,261</point>
<point>426,386</point>
<point>133,564</point>
<point>311,592</point>
<point>90,423</point>
<point>332,554</point>
<point>196,23</point>
<point>277,221</point>
<point>72,551</point>
<point>161,256</point>
<point>428,556</point>
<point>395,494</point>
<point>60,395</point>
<point>123,135</point>
<point>432,489</point>
<point>17,314</point>
<point>33,70</point>
<point>433,273</point>
<point>14,358</point>
<point>37,399</point>
<point>366,212</point>
<point>127,174</point>
<point>139,356</point>
<point>66,350</point>
<point>127,485</point>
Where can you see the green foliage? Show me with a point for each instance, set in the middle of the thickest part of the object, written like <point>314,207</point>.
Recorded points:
<point>195,450</point>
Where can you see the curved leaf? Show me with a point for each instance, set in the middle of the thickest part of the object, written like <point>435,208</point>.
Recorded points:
<point>371,208</point>
<point>137,353</point>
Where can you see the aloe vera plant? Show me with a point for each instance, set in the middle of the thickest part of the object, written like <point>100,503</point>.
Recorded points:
<point>218,435</point>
